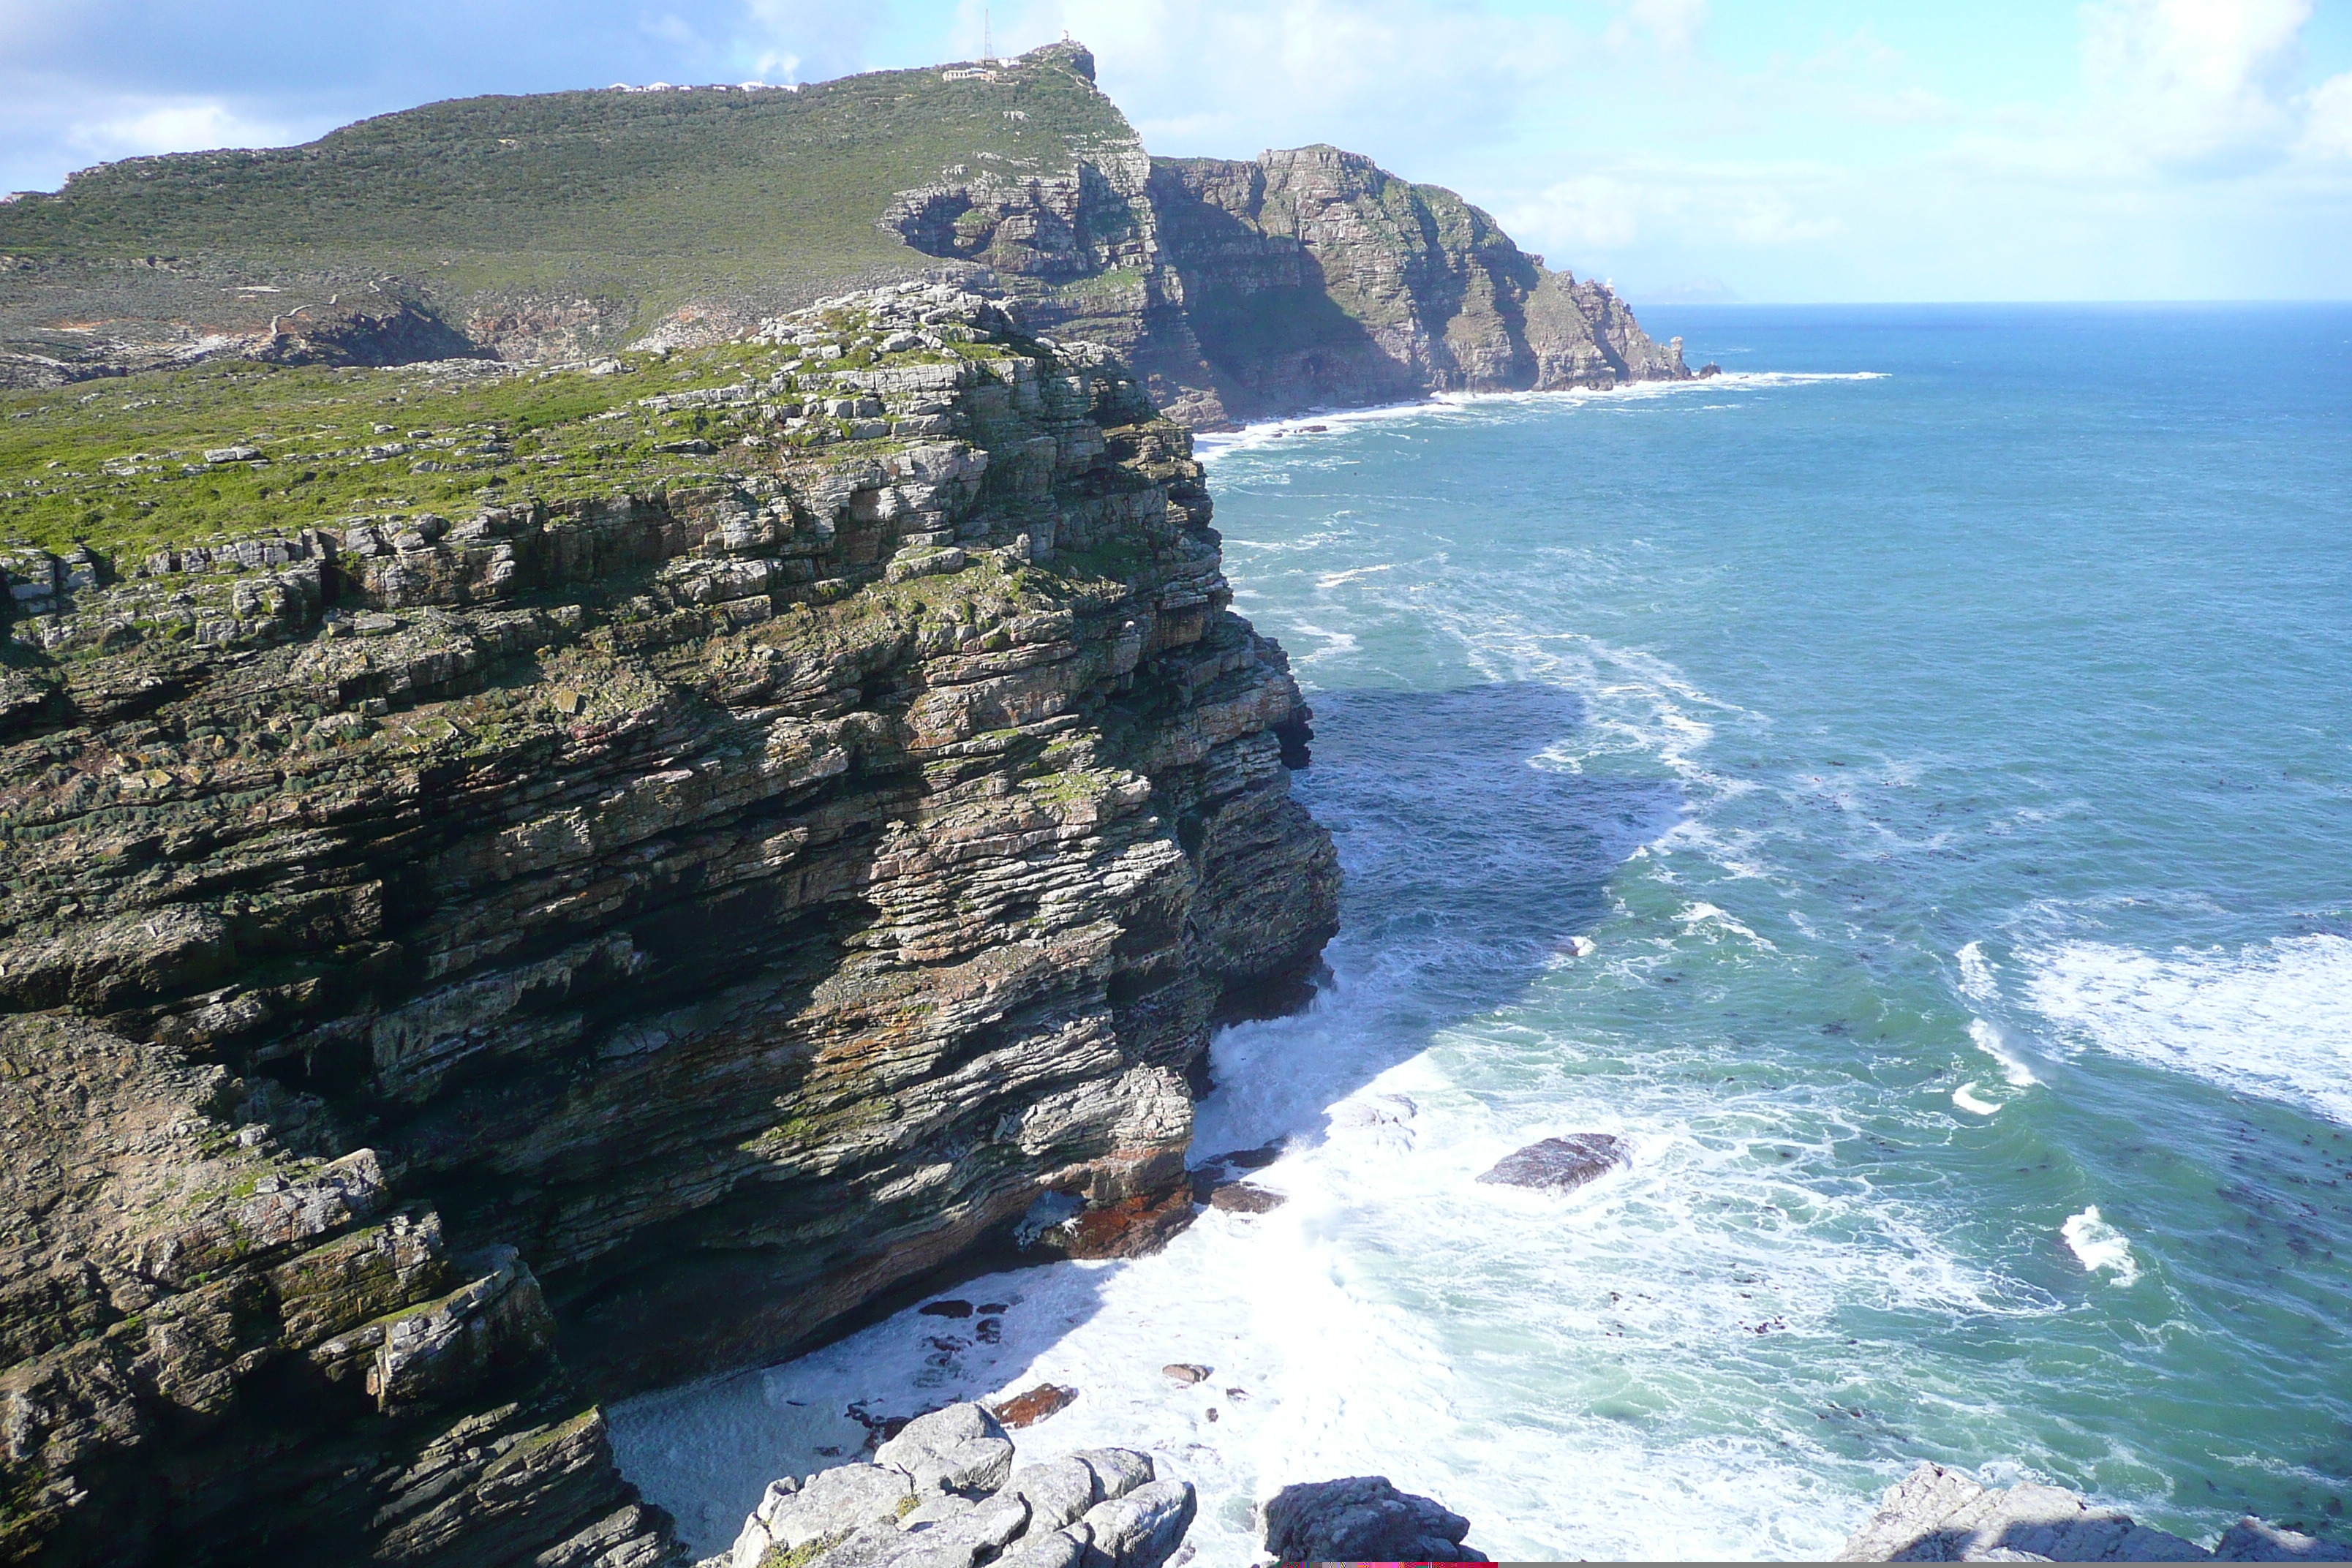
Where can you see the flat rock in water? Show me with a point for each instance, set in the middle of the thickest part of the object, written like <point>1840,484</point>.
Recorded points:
<point>1362,1519</point>
<point>1561,1164</point>
<point>1233,1197</point>
<point>1184,1372</point>
<point>1028,1408</point>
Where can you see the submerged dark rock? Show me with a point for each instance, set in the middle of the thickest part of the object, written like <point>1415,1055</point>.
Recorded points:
<point>1363,1519</point>
<point>1563,1163</point>
<point>1242,1197</point>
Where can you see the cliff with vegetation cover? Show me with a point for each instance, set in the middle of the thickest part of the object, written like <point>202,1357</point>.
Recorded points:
<point>523,886</point>
<point>562,226</point>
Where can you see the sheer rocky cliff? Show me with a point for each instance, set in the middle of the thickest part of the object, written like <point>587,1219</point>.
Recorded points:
<point>1313,277</point>
<point>455,968</point>
<point>559,226</point>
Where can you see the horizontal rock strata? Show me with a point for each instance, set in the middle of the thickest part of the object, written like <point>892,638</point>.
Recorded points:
<point>480,965</point>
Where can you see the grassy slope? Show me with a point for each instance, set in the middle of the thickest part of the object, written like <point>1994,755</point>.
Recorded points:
<point>110,467</point>
<point>656,197</point>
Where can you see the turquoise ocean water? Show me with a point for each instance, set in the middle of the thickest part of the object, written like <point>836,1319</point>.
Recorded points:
<point>1940,726</point>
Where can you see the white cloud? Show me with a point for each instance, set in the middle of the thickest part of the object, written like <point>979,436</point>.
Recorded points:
<point>1409,81</point>
<point>137,127</point>
<point>2201,83</point>
<point>1588,219</point>
<point>805,40</point>
<point>1673,26</point>
<point>2327,133</point>
<point>1581,217</point>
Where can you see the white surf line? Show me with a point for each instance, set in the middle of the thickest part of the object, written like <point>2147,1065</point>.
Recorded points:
<point>2097,1246</point>
<point>1256,435</point>
<point>1964,1097</point>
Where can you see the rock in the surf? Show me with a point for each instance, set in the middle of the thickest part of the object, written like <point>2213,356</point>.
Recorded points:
<point>1939,1515</point>
<point>938,1496</point>
<point>1236,1197</point>
<point>1026,1409</point>
<point>1362,1519</point>
<point>1561,1164</point>
<point>2258,1540</point>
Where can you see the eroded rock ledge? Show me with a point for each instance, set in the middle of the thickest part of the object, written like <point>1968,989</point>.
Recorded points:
<point>496,965</point>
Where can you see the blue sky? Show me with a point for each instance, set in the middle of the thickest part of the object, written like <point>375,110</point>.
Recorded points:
<point>1798,151</point>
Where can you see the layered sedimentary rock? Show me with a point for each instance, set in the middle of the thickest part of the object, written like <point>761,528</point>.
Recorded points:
<point>455,970</point>
<point>1314,277</point>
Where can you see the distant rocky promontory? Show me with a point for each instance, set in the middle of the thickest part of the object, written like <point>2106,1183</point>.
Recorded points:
<point>565,226</point>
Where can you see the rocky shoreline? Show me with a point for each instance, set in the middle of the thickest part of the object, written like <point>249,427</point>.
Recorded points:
<point>943,1491</point>
<point>501,962</point>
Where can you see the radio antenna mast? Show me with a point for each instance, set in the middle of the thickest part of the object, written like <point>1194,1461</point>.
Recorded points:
<point>987,46</point>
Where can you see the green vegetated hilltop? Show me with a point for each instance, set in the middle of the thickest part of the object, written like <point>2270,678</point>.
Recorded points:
<point>232,448</point>
<point>650,198</point>
<point>160,309</point>
<point>670,189</point>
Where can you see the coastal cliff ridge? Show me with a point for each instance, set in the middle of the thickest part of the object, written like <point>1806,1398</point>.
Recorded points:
<point>595,888</point>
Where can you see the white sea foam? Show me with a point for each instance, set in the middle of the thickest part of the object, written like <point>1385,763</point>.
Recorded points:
<point>1263,434</point>
<point>1334,644</point>
<point>2270,1018</point>
<point>1334,579</point>
<point>1354,1331</point>
<point>1977,983</point>
<point>1965,1097</point>
<point>1702,913</point>
<point>2100,1246</point>
<point>1988,1038</point>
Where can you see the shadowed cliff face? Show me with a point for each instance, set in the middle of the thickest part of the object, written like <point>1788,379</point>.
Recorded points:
<point>1313,277</point>
<point>495,965</point>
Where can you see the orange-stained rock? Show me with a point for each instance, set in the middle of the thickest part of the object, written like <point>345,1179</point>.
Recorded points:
<point>1028,1409</point>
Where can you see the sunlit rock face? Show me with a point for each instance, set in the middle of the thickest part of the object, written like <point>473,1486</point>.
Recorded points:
<point>521,958</point>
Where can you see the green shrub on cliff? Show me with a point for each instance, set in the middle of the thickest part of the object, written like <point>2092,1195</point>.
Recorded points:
<point>121,465</point>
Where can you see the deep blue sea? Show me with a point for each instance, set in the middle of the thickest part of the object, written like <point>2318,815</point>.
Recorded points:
<point>1941,728</point>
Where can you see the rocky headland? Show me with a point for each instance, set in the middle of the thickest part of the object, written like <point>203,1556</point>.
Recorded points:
<point>793,830</point>
<point>559,227</point>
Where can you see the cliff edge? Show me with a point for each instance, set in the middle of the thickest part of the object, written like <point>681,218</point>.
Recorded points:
<point>799,818</point>
<point>559,226</point>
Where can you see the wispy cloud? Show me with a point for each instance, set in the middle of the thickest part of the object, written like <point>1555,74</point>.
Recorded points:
<point>139,126</point>
<point>2206,85</point>
<point>2115,147</point>
<point>2327,128</point>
